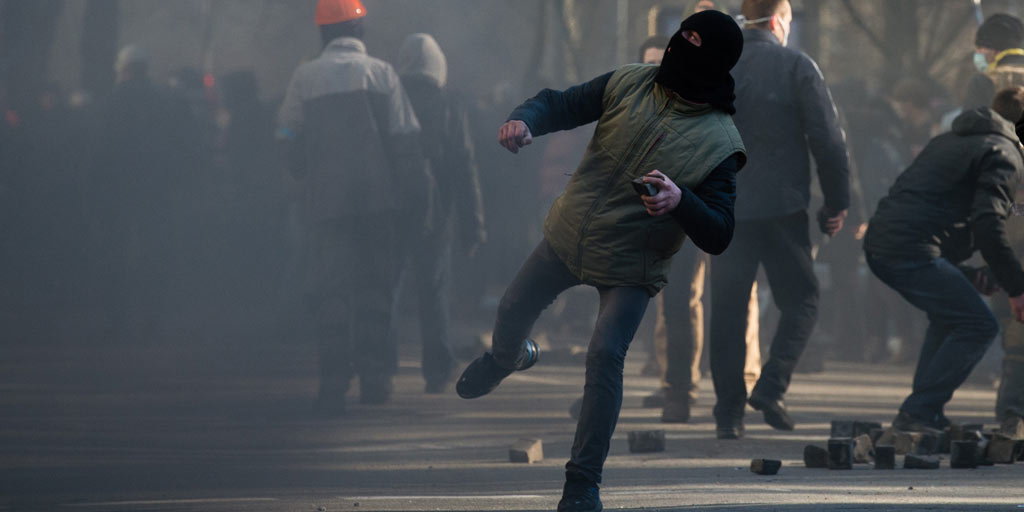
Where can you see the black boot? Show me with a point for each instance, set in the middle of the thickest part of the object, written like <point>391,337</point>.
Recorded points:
<point>775,413</point>
<point>484,374</point>
<point>677,407</point>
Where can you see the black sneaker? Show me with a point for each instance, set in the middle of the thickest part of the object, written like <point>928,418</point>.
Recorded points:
<point>775,413</point>
<point>907,423</point>
<point>580,498</point>
<point>484,374</point>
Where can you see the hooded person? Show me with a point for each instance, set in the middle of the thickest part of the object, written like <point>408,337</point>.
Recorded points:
<point>999,57</point>
<point>661,167</point>
<point>956,198</point>
<point>447,143</point>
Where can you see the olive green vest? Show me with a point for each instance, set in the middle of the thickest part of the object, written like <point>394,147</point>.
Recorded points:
<point>598,226</point>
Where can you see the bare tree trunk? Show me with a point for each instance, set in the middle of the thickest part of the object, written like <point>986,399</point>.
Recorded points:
<point>99,45</point>
<point>812,30</point>
<point>540,42</point>
<point>28,30</point>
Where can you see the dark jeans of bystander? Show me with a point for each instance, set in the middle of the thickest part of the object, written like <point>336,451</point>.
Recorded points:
<point>960,327</point>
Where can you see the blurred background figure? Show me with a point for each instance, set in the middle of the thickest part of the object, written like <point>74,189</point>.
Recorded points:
<point>141,148</point>
<point>354,142</point>
<point>999,58</point>
<point>253,247</point>
<point>458,214</point>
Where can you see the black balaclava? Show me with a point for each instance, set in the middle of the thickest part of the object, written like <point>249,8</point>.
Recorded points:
<point>701,74</point>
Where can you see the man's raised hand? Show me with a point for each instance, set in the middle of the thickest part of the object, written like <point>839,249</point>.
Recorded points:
<point>514,135</point>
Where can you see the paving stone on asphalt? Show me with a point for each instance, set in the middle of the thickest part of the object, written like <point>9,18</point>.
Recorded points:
<point>912,461</point>
<point>956,432</point>
<point>981,454</point>
<point>865,427</point>
<point>963,454</point>
<point>1013,428</point>
<point>526,451</point>
<point>903,442</point>
<point>646,441</point>
<point>943,442</point>
<point>885,456</point>
<point>815,456</point>
<point>876,434</point>
<point>765,466</point>
<point>925,443</point>
<point>863,449</point>
<point>841,429</point>
<point>1002,450</point>
<point>840,453</point>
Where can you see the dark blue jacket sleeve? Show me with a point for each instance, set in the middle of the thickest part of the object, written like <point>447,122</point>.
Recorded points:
<point>551,110</point>
<point>706,212</point>
<point>824,135</point>
<point>990,209</point>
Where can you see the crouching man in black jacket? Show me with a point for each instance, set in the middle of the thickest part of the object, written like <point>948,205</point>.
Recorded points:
<point>954,199</point>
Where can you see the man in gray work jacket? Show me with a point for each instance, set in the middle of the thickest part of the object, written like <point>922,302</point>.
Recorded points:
<point>354,145</point>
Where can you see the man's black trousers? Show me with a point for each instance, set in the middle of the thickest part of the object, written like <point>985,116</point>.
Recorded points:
<point>782,245</point>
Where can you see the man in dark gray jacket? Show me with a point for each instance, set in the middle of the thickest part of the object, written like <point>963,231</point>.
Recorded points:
<point>784,110</point>
<point>954,199</point>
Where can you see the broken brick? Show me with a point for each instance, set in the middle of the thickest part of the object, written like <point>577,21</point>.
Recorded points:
<point>526,450</point>
<point>885,456</point>
<point>912,461</point>
<point>924,443</point>
<point>1002,450</point>
<point>901,441</point>
<point>863,449</point>
<point>840,453</point>
<point>963,454</point>
<point>865,427</point>
<point>765,466</point>
<point>647,441</point>
<point>815,456</point>
<point>842,429</point>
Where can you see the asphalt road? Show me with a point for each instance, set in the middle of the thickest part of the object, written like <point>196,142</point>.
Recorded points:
<point>228,428</point>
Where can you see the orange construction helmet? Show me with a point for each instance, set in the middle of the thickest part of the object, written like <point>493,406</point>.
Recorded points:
<point>329,12</point>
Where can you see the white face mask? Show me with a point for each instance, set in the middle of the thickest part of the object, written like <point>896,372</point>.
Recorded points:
<point>980,62</point>
<point>785,31</point>
<point>785,27</point>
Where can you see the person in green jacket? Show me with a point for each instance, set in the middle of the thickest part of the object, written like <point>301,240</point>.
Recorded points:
<point>668,126</point>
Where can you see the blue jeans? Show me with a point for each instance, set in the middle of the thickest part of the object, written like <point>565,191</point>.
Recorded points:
<point>960,327</point>
<point>539,282</point>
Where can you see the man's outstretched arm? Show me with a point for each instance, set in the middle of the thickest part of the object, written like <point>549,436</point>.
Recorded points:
<point>551,111</point>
